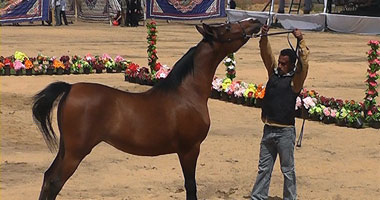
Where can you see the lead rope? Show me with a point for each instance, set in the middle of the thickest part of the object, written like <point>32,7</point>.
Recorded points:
<point>299,141</point>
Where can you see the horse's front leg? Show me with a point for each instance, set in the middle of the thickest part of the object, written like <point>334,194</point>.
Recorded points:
<point>188,161</point>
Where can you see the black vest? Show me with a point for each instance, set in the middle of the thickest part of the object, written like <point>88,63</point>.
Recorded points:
<point>279,100</point>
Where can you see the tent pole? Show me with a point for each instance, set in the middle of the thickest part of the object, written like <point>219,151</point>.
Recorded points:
<point>76,10</point>
<point>53,21</point>
<point>270,18</point>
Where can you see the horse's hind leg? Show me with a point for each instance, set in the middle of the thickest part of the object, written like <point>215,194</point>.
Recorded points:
<point>188,162</point>
<point>63,166</point>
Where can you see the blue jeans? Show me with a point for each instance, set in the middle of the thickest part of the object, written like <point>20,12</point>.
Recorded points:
<point>281,141</point>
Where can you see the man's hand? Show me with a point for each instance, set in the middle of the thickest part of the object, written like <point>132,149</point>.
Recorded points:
<point>297,33</point>
<point>264,30</point>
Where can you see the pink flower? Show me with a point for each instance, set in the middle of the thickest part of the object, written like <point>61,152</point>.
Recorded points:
<point>164,71</point>
<point>374,42</point>
<point>119,58</point>
<point>88,57</point>
<point>333,113</point>
<point>374,61</point>
<point>369,113</point>
<point>18,65</point>
<point>106,57</point>
<point>371,92</point>
<point>370,52</point>
<point>373,83</point>
<point>372,75</point>
<point>326,111</point>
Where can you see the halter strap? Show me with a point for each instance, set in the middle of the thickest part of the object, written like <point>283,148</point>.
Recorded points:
<point>244,35</point>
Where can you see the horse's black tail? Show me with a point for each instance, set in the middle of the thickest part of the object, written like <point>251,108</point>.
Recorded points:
<point>44,102</point>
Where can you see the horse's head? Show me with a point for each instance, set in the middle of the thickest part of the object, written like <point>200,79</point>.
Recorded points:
<point>233,35</point>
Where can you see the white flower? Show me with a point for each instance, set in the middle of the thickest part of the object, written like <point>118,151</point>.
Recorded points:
<point>308,102</point>
<point>228,60</point>
<point>217,84</point>
<point>298,103</point>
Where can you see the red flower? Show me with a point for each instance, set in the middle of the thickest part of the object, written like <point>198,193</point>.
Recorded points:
<point>154,51</point>
<point>8,62</point>
<point>250,94</point>
<point>152,42</point>
<point>157,67</point>
<point>371,92</point>
<point>133,67</point>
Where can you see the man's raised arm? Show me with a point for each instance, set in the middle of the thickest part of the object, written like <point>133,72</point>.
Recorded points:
<point>266,51</point>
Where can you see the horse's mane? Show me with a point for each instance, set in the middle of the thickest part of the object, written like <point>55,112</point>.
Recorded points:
<point>181,69</point>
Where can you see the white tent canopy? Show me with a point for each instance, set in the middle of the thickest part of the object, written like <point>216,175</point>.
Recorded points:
<point>318,22</point>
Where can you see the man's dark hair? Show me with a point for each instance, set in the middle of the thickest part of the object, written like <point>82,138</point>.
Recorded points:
<point>291,54</point>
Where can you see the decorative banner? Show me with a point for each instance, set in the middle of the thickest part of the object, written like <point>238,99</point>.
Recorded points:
<point>185,9</point>
<point>20,11</point>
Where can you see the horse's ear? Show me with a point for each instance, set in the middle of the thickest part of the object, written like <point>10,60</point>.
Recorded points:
<point>208,29</point>
<point>200,30</point>
<point>205,30</point>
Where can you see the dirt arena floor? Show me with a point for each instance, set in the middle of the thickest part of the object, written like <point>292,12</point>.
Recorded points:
<point>333,163</point>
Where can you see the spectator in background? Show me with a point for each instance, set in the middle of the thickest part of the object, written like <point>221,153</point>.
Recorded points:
<point>133,12</point>
<point>232,4</point>
<point>63,13</point>
<point>281,6</point>
<point>307,7</point>
<point>56,4</point>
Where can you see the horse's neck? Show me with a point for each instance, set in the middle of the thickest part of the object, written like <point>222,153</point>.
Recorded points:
<point>206,61</point>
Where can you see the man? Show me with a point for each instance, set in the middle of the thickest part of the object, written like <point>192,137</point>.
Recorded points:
<point>63,12</point>
<point>278,113</point>
<point>56,4</point>
<point>232,4</point>
<point>134,11</point>
<point>307,6</point>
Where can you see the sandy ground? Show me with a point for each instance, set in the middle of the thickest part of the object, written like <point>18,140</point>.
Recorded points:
<point>333,163</point>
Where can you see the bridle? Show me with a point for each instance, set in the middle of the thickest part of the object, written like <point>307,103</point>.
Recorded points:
<point>246,36</point>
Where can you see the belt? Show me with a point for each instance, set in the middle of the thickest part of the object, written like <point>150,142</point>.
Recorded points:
<point>271,123</point>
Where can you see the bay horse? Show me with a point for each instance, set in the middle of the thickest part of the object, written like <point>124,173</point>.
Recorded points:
<point>91,113</point>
